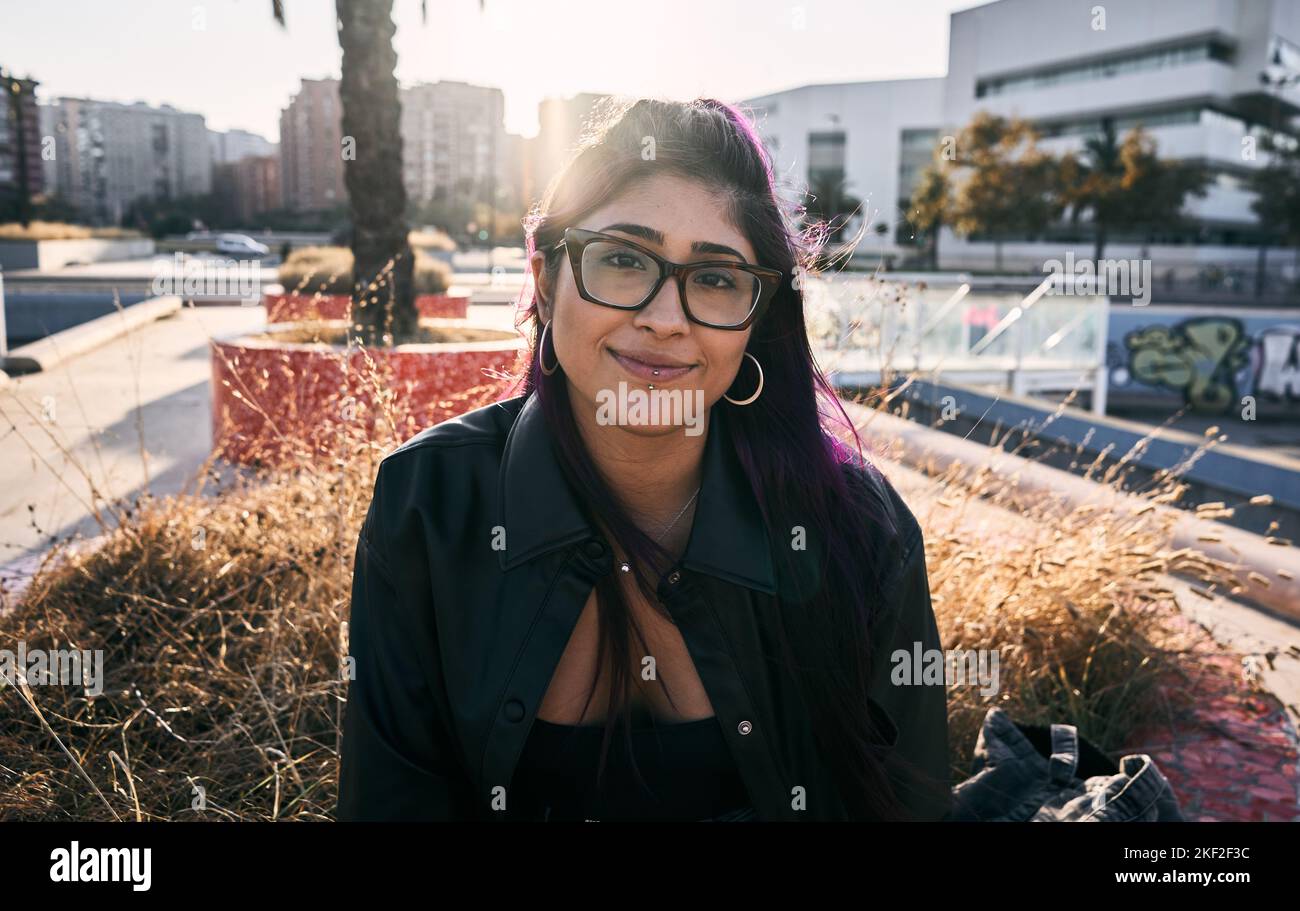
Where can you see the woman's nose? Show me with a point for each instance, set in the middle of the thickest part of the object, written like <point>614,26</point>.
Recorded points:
<point>665,313</point>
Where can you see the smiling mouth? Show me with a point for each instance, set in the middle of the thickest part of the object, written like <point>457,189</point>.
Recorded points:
<point>655,373</point>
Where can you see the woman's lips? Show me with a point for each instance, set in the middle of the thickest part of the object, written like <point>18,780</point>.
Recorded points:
<point>645,371</point>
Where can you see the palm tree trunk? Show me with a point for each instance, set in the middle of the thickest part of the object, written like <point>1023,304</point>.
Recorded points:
<point>382,298</point>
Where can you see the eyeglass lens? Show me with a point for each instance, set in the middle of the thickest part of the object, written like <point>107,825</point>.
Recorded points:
<point>622,276</point>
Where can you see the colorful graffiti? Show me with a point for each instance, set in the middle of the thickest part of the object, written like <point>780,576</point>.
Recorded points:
<point>1215,364</point>
<point>1199,357</point>
<point>1279,364</point>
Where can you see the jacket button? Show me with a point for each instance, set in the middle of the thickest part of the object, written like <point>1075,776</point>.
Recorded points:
<point>745,727</point>
<point>674,577</point>
<point>595,550</point>
<point>514,710</point>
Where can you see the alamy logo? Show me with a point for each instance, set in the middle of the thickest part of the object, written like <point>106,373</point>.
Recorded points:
<point>189,276</point>
<point>955,667</point>
<point>1121,277</point>
<point>48,667</point>
<point>76,864</point>
<point>651,408</point>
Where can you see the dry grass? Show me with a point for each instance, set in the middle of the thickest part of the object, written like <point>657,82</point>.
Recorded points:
<point>221,614</point>
<point>56,230</point>
<point>328,270</point>
<point>1077,600</point>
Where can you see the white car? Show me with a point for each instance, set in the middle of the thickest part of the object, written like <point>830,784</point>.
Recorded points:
<point>240,245</point>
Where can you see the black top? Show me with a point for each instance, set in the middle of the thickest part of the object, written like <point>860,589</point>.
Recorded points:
<point>686,765</point>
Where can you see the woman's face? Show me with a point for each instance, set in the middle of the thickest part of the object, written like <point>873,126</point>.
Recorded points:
<point>600,347</point>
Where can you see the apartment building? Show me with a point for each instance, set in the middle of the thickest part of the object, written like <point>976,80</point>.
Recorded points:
<point>107,155</point>
<point>311,151</point>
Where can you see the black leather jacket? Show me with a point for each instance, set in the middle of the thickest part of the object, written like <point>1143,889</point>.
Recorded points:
<point>454,642</point>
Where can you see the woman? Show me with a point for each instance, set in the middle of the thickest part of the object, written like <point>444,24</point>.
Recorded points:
<point>652,586</point>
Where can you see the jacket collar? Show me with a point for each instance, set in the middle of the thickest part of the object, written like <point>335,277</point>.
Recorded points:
<point>540,512</point>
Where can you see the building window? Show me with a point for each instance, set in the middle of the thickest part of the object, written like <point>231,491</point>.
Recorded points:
<point>1127,64</point>
<point>826,155</point>
<point>1147,120</point>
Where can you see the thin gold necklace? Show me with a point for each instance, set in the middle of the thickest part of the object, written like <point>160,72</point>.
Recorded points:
<point>627,567</point>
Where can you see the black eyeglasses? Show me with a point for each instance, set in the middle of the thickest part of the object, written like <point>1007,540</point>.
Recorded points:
<point>618,273</point>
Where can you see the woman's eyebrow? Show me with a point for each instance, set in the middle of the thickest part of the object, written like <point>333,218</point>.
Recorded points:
<point>647,233</point>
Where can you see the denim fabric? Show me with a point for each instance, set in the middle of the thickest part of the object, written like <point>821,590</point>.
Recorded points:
<point>1031,773</point>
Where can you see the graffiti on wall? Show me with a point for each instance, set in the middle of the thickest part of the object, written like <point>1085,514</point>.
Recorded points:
<point>1279,366</point>
<point>1211,362</point>
<point>1198,357</point>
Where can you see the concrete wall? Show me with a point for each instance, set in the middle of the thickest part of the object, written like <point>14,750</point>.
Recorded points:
<point>30,317</point>
<point>1073,439</point>
<point>55,254</point>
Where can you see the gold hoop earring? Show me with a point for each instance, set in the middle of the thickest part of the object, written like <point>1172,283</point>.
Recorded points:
<point>757,392</point>
<point>541,351</point>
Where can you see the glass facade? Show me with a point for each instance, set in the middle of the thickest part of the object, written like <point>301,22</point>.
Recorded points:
<point>1137,62</point>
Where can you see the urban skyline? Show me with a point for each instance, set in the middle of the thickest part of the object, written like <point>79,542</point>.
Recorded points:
<point>1192,80</point>
<point>535,53</point>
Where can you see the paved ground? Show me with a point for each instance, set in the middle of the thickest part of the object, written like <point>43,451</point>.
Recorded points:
<point>1280,436</point>
<point>72,437</point>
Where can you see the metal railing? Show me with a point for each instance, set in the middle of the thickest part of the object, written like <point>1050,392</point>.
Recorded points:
<point>865,329</point>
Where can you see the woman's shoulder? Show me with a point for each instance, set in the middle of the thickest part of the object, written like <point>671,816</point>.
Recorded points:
<point>487,425</point>
<point>900,542</point>
<point>882,498</point>
<point>444,474</point>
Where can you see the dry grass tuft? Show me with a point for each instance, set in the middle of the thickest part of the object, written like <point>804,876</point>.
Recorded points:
<point>57,230</point>
<point>328,270</point>
<point>220,614</point>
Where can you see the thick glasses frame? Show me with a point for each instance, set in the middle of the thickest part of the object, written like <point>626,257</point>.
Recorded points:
<point>576,240</point>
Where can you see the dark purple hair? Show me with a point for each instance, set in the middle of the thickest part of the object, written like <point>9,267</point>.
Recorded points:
<point>800,472</point>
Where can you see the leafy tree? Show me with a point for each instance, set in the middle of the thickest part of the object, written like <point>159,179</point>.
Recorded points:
<point>1124,185</point>
<point>1277,186</point>
<point>1007,185</point>
<point>930,204</point>
<point>17,92</point>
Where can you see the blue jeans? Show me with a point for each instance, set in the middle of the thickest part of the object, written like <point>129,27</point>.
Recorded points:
<point>1032,773</point>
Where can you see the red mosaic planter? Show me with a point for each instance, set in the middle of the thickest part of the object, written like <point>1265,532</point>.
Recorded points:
<point>1230,751</point>
<point>292,307</point>
<point>275,400</point>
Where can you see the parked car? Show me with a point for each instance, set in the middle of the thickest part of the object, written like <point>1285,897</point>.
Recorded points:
<point>240,245</point>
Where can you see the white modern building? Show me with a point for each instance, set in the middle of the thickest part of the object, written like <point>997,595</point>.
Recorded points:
<point>875,136</point>
<point>1205,78</point>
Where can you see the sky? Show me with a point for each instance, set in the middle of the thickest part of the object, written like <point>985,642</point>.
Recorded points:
<point>231,62</point>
